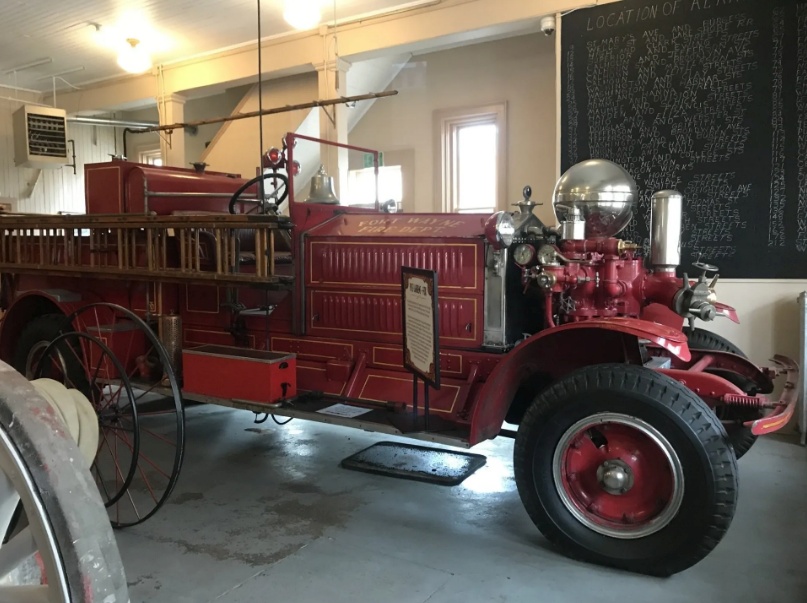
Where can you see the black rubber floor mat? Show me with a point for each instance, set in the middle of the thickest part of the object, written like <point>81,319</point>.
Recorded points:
<point>408,461</point>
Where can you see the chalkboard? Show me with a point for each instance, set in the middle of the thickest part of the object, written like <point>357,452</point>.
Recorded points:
<point>708,97</point>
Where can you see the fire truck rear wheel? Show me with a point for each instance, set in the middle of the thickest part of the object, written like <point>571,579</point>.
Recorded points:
<point>622,466</point>
<point>740,436</point>
<point>33,341</point>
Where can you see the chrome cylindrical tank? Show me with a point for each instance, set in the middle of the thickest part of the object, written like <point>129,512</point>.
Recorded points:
<point>572,230</point>
<point>666,212</point>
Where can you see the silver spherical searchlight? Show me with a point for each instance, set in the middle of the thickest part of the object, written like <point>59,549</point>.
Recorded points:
<point>593,199</point>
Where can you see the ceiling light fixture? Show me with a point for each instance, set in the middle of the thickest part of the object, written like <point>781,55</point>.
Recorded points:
<point>302,14</point>
<point>133,58</point>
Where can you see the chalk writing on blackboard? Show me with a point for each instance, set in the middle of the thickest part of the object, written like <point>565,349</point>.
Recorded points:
<point>776,224</point>
<point>801,107</point>
<point>708,97</point>
<point>682,104</point>
<point>571,107</point>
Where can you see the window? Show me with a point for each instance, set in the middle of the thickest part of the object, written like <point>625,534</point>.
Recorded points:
<point>361,186</point>
<point>472,145</point>
<point>151,157</point>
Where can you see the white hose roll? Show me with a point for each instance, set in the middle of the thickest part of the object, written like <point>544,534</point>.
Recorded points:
<point>76,412</point>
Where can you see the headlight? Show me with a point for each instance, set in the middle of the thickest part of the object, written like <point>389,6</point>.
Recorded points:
<point>524,254</point>
<point>499,230</point>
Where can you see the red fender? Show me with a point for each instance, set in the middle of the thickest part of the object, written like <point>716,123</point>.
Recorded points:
<point>727,311</point>
<point>560,350</point>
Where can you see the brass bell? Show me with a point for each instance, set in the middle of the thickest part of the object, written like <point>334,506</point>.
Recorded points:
<point>322,188</point>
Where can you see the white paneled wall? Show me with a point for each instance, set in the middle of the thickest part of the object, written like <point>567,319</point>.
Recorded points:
<point>52,190</point>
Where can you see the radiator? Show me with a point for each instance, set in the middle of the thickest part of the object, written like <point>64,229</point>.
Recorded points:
<point>803,366</point>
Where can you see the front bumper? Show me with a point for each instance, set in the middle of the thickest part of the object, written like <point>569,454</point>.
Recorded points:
<point>783,409</point>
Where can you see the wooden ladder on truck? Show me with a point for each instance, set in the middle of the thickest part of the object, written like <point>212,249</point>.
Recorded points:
<point>199,249</point>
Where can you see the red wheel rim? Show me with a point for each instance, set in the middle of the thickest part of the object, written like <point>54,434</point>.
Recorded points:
<point>618,475</point>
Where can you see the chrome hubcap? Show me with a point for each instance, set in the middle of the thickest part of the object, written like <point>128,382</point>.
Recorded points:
<point>615,477</point>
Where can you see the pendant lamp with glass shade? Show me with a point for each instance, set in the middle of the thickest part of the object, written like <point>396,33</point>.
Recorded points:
<point>302,14</point>
<point>133,58</point>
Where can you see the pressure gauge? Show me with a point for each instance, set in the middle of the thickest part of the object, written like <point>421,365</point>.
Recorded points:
<point>524,254</point>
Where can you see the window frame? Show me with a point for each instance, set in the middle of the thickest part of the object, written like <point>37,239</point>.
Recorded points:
<point>145,154</point>
<point>381,170</point>
<point>447,124</point>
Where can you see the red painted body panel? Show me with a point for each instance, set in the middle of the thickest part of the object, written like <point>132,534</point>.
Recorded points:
<point>370,262</point>
<point>426,226</point>
<point>237,374</point>
<point>377,317</point>
<point>119,187</point>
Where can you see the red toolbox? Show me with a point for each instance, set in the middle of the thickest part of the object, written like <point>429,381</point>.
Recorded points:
<point>239,373</point>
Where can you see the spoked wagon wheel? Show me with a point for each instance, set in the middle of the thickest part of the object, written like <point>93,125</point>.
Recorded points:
<point>623,466</point>
<point>157,402</point>
<point>66,551</point>
<point>104,382</point>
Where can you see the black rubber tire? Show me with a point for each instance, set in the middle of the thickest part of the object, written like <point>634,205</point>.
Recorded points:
<point>740,436</point>
<point>701,339</point>
<point>43,328</point>
<point>696,435</point>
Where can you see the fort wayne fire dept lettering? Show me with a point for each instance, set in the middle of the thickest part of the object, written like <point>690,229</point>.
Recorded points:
<point>430,226</point>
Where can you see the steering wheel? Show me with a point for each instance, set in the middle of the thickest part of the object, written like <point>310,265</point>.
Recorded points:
<point>273,193</point>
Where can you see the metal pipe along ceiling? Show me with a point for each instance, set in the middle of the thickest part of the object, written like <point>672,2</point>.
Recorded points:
<point>113,123</point>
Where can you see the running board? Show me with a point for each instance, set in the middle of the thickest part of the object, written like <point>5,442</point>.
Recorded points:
<point>389,419</point>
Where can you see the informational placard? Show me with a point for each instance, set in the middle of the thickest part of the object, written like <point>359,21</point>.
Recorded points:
<point>707,97</point>
<point>420,324</point>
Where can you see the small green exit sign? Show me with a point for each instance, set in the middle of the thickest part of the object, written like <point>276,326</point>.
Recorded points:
<point>368,160</point>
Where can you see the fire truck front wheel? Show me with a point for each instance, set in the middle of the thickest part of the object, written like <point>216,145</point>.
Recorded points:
<point>622,466</point>
<point>733,417</point>
<point>33,341</point>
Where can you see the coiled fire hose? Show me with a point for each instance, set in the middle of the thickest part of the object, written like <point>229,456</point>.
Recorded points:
<point>75,411</point>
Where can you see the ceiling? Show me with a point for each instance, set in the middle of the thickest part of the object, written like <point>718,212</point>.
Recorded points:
<point>65,33</point>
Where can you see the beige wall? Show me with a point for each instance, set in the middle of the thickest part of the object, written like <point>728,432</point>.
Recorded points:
<point>235,148</point>
<point>768,316</point>
<point>518,70</point>
<point>50,190</point>
<point>217,105</point>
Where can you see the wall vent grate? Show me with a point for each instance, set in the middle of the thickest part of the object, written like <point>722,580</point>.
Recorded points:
<point>40,137</point>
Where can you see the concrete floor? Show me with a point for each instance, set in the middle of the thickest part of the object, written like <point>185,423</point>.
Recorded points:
<point>263,513</point>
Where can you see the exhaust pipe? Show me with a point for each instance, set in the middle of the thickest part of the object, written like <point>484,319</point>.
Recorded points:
<point>666,213</point>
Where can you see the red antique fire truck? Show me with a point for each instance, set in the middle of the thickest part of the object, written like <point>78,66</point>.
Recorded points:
<point>182,286</point>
